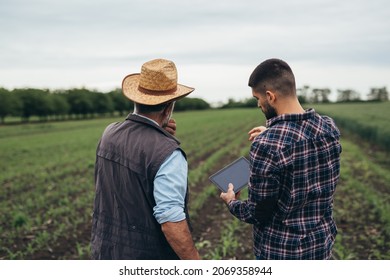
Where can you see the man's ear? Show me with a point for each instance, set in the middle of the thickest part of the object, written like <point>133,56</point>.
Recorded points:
<point>167,109</point>
<point>271,96</point>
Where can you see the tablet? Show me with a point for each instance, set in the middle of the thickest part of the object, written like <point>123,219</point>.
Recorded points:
<point>237,173</point>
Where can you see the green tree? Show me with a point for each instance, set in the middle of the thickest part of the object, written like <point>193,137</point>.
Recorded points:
<point>320,95</point>
<point>232,104</point>
<point>303,94</point>
<point>102,103</point>
<point>60,105</point>
<point>378,94</point>
<point>35,102</point>
<point>347,95</point>
<point>121,104</point>
<point>188,103</point>
<point>46,106</point>
<point>80,102</point>
<point>9,104</point>
<point>250,103</point>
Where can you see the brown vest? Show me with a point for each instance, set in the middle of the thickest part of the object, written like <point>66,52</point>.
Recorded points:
<point>128,157</point>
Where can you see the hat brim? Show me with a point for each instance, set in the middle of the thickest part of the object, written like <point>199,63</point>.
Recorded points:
<point>131,90</point>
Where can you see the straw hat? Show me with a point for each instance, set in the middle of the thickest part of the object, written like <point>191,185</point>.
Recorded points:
<point>156,84</point>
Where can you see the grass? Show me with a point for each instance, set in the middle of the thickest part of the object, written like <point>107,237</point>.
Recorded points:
<point>362,208</point>
<point>369,120</point>
<point>47,183</point>
<point>47,187</point>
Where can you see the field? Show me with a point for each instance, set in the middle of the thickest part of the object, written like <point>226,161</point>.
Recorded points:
<point>370,121</point>
<point>47,188</point>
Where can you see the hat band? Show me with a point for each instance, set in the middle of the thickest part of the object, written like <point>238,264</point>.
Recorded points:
<point>157,92</point>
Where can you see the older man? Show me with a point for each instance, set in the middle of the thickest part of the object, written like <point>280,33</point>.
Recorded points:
<point>140,209</point>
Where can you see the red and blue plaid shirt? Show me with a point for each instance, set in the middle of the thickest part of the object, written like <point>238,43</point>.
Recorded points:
<point>295,166</point>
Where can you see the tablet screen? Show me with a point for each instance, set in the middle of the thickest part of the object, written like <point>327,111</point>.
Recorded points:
<point>237,173</point>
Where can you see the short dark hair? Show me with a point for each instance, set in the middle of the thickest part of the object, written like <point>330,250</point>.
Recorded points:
<point>147,109</point>
<point>273,74</point>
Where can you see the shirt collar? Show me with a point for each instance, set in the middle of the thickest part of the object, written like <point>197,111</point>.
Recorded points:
<point>134,113</point>
<point>309,113</point>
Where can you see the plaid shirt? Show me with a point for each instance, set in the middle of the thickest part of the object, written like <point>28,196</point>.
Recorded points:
<point>295,166</point>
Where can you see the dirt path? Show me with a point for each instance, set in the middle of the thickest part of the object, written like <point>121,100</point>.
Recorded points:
<point>208,227</point>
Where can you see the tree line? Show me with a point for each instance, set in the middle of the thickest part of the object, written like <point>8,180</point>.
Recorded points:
<point>83,103</point>
<point>73,103</point>
<point>321,95</point>
<point>307,94</point>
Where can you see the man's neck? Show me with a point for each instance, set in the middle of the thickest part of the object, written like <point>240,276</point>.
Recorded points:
<point>290,106</point>
<point>149,117</point>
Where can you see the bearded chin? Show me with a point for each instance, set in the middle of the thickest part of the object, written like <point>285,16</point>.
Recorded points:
<point>165,123</point>
<point>269,112</point>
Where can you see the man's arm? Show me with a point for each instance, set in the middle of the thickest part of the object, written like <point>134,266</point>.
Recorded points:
<point>180,239</point>
<point>263,188</point>
<point>170,187</point>
<point>245,211</point>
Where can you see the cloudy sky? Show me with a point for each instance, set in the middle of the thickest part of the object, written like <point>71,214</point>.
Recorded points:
<point>215,43</point>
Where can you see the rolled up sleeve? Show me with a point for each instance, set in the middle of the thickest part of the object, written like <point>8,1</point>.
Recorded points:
<point>170,187</point>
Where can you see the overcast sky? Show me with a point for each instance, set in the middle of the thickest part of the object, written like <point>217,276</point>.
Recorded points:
<point>215,44</point>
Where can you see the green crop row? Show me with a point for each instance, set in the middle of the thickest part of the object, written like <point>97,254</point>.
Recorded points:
<point>368,120</point>
<point>46,183</point>
<point>362,209</point>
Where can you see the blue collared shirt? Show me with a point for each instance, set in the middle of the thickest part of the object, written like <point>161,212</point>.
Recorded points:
<point>170,187</point>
